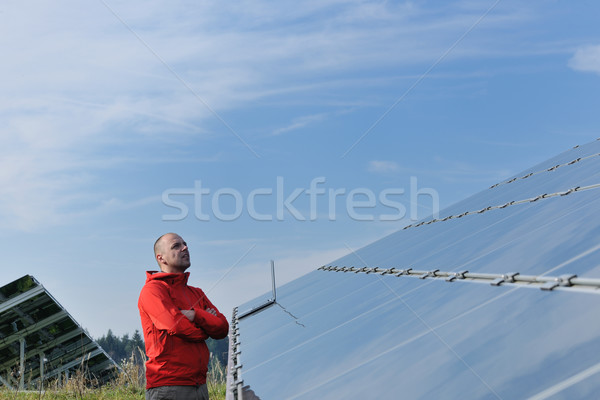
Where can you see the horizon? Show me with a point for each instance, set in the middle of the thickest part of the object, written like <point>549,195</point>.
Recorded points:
<point>316,128</point>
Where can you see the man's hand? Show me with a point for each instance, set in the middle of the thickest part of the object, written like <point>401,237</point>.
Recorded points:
<point>190,314</point>
<point>212,311</point>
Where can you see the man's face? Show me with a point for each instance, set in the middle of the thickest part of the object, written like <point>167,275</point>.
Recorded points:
<point>174,253</point>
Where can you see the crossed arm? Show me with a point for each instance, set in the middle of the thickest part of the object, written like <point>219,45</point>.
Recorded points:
<point>210,319</point>
<point>196,324</point>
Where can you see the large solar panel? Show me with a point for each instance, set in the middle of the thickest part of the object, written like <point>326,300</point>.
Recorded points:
<point>498,297</point>
<point>40,341</point>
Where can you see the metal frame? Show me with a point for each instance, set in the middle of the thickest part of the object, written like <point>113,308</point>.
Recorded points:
<point>549,283</point>
<point>40,340</point>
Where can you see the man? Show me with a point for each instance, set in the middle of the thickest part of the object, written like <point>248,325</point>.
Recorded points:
<point>176,320</point>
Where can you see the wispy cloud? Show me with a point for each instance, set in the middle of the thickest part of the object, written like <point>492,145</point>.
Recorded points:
<point>384,167</point>
<point>233,242</point>
<point>300,122</point>
<point>76,82</point>
<point>461,171</point>
<point>586,58</point>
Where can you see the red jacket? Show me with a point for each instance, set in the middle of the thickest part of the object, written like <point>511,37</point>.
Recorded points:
<point>177,354</point>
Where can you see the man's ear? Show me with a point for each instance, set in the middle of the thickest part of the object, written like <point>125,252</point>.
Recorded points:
<point>159,258</point>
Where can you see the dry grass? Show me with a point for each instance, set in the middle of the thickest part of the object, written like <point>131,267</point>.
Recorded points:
<point>216,380</point>
<point>129,384</point>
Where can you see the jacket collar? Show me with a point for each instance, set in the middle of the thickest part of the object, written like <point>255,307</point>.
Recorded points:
<point>165,276</point>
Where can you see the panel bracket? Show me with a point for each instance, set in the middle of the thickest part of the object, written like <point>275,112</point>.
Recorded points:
<point>456,275</point>
<point>508,278</point>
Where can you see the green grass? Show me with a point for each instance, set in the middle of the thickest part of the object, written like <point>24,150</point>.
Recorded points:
<point>129,384</point>
<point>217,392</point>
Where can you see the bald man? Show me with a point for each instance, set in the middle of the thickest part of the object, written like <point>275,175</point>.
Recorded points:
<point>176,320</point>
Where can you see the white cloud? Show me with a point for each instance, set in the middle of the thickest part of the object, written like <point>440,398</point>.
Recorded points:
<point>586,58</point>
<point>378,166</point>
<point>75,80</point>
<point>461,171</point>
<point>300,122</point>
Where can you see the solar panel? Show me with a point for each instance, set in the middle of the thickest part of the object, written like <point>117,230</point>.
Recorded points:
<point>498,297</point>
<point>40,341</point>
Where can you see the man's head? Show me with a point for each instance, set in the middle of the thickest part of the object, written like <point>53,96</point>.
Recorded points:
<point>171,253</point>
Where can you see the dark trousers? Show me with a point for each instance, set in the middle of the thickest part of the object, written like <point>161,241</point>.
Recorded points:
<point>178,393</point>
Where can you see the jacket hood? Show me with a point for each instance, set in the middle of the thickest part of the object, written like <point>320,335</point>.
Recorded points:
<point>163,276</point>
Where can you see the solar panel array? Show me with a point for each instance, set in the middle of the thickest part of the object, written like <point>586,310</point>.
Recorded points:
<point>40,341</point>
<point>498,297</point>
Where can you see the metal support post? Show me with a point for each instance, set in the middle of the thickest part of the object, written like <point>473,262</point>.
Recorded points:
<point>22,365</point>
<point>42,371</point>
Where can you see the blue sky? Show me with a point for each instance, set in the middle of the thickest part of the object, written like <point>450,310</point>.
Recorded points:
<point>111,107</point>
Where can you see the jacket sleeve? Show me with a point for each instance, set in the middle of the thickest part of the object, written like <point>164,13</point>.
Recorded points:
<point>216,326</point>
<point>158,305</point>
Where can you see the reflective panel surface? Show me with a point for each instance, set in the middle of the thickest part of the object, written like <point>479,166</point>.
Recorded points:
<point>39,334</point>
<point>334,335</point>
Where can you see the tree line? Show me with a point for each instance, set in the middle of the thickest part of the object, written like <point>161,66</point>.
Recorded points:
<point>121,348</point>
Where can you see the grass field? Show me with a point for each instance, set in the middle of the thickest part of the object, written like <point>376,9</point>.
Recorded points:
<point>129,384</point>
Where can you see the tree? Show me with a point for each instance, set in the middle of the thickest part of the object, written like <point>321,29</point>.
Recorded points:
<point>219,349</point>
<point>120,349</point>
